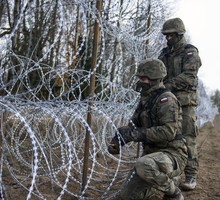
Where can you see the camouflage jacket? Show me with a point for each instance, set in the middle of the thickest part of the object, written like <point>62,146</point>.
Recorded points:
<point>158,117</point>
<point>182,63</point>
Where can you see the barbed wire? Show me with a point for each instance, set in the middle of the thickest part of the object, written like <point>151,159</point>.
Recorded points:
<point>44,108</point>
<point>43,139</point>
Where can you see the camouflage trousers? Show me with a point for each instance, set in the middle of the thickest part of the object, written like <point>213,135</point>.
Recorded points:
<point>190,133</point>
<point>152,173</point>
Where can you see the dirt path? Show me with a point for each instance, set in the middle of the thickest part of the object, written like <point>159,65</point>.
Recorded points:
<point>208,183</point>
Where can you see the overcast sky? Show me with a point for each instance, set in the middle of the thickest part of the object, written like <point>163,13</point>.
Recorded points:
<point>201,18</point>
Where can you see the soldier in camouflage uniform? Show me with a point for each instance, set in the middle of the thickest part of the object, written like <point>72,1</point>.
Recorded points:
<point>156,123</point>
<point>182,62</point>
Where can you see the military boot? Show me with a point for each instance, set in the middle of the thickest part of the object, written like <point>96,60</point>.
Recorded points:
<point>189,184</point>
<point>177,195</point>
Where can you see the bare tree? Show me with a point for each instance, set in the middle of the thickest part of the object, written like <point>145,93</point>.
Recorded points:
<point>59,34</point>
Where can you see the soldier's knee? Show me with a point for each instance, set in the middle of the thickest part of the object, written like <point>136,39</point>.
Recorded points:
<point>145,167</point>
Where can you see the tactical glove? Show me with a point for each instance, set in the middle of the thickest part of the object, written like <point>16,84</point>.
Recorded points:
<point>113,147</point>
<point>139,135</point>
<point>122,135</point>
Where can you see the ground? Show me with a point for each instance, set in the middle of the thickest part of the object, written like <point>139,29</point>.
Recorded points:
<point>208,183</point>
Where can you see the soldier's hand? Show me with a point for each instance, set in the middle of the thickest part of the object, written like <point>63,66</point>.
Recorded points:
<point>113,147</point>
<point>125,134</point>
<point>122,136</point>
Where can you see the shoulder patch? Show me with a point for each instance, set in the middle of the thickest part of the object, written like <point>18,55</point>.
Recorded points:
<point>189,53</point>
<point>164,100</point>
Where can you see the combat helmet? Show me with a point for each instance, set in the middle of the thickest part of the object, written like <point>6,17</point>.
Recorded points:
<point>174,25</point>
<point>152,69</point>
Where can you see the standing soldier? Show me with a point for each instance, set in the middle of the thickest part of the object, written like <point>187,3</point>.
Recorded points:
<point>156,123</point>
<point>182,63</point>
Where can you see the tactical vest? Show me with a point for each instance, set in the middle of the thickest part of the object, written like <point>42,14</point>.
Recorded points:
<point>175,60</point>
<point>149,106</point>
<point>186,94</point>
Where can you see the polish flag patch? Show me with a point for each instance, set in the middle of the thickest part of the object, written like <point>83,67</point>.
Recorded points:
<point>189,54</point>
<point>164,100</point>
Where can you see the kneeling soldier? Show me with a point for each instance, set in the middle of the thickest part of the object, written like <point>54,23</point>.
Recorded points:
<point>156,123</point>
